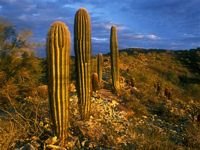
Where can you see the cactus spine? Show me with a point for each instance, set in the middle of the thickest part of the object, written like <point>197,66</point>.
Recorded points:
<point>82,46</point>
<point>114,59</point>
<point>99,66</point>
<point>58,51</point>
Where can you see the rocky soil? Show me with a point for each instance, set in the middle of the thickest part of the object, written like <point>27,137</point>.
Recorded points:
<point>112,125</point>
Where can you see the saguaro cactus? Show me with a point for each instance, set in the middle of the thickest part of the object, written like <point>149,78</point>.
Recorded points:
<point>95,82</point>
<point>99,66</point>
<point>82,46</point>
<point>94,64</point>
<point>58,51</point>
<point>114,59</point>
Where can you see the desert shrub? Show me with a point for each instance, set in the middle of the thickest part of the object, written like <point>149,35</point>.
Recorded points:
<point>193,90</point>
<point>123,54</point>
<point>133,103</point>
<point>172,77</point>
<point>142,77</point>
<point>43,74</point>
<point>20,70</point>
<point>193,136</point>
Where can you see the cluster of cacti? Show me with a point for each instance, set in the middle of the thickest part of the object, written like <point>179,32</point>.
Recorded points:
<point>58,56</point>
<point>99,66</point>
<point>82,47</point>
<point>114,59</point>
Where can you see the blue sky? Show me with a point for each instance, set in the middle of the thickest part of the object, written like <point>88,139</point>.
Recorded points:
<point>165,24</point>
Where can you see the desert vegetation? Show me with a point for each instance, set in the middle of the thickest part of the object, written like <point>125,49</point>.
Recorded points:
<point>126,99</point>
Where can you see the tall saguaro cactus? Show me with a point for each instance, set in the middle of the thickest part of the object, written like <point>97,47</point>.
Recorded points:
<point>99,66</point>
<point>114,59</point>
<point>82,46</point>
<point>58,51</point>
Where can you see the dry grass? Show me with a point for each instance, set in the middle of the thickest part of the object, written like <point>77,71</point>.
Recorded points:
<point>22,121</point>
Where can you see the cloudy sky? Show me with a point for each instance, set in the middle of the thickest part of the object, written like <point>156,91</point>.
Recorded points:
<point>168,24</point>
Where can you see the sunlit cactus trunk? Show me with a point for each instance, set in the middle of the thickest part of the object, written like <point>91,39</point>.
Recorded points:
<point>58,57</point>
<point>100,66</point>
<point>82,46</point>
<point>114,59</point>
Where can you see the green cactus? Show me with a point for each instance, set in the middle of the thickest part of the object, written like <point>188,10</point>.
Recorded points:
<point>58,58</point>
<point>100,66</point>
<point>114,59</point>
<point>82,46</point>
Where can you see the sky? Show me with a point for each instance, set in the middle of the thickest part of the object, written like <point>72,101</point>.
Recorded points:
<point>161,24</point>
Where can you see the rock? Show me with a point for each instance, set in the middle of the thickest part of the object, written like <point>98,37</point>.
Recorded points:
<point>35,144</point>
<point>55,147</point>
<point>92,145</point>
<point>28,147</point>
<point>85,143</point>
<point>51,140</point>
<point>35,138</point>
<point>73,142</point>
<point>114,103</point>
<point>72,87</point>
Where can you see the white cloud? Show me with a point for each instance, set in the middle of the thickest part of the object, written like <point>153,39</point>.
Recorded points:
<point>31,7</point>
<point>99,40</point>
<point>152,37</point>
<point>176,44</point>
<point>118,26</point>
<point>23,17</point>
<point>76,6</point>
<point>188,35</point>
<point>60,18</point>
<point>141,36</point>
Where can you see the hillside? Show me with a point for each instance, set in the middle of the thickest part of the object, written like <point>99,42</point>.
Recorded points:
<point>158,107</point>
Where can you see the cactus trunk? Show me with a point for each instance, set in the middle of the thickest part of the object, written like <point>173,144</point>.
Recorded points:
<point>99,66</point>
<point>94,64</point>
<point>114,59</point>
<point>58,57</point>
<point>82,46</point>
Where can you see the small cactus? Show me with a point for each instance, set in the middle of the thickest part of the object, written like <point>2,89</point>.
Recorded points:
<point>100,66</point>
<point>58,58</point>
<point>82,46</point>
<point>95,82</point>
<point>114,59</point>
